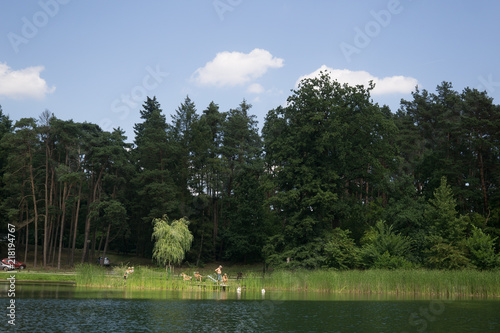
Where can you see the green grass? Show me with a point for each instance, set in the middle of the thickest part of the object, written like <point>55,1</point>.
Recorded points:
<point>35,276</point>
<point>397,282</point>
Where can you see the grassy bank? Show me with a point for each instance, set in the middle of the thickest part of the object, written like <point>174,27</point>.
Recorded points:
<point>39,276</point>
<point>142,278</point>
<point>425,282</point>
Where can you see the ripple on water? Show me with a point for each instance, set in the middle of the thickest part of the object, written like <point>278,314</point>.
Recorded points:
<point>186,315</point>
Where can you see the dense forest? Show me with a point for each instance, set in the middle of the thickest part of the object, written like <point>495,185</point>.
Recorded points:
<point>332,181</point>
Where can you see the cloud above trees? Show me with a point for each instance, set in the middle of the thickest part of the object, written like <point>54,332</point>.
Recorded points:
<point>229,69</point>
<point>23,83</point>
<point>383,86</point>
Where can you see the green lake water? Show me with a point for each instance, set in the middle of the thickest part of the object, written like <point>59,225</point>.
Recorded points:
<point>65,308</point>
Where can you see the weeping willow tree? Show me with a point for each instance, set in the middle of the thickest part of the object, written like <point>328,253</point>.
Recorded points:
<point>172,240</point>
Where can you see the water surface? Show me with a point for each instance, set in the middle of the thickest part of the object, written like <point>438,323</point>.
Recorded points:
<point>63,308</point>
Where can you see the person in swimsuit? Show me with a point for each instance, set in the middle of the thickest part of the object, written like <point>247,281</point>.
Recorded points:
<point>218,270</point>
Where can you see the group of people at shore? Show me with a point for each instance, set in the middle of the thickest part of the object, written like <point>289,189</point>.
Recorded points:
<point>221,277</point>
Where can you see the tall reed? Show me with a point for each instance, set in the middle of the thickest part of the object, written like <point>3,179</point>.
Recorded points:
<point>142,278</point>
<point>96,276</point>
<point>429,282</point>
<point>149,278</point>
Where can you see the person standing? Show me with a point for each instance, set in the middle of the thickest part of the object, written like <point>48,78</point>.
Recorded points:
<point>218,270</point>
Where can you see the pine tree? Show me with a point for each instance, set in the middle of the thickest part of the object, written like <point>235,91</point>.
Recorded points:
<point>153,193</point>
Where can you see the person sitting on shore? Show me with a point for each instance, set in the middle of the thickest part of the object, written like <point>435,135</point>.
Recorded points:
<point>130,270</point>
<point>224,278</point>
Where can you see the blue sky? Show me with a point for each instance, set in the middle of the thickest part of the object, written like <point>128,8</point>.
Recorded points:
<point>97,61</point>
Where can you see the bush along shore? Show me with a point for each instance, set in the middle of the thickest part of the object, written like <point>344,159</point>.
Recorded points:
<point>414,281</point>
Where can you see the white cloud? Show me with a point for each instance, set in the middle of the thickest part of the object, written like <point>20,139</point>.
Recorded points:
<point>383,86</point>
<point>23,83</point>
<point>256,100</point>
<point>255,88</point>
<point>236,68</point>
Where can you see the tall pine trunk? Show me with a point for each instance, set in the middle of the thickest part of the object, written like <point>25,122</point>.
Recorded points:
<point>33,192</point>
<point>46,217</point>
<point>106,242</point>
<point>75,228</point>
<point>66,192</point>
<point>483,183</point>
<point>92,199</point>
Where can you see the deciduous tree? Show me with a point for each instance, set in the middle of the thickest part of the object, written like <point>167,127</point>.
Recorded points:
<point>172,240</point>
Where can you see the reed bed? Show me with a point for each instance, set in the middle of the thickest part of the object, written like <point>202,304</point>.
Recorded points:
<point>404,282</point>
<point>149,278</point>
<point>142,278</point>
<point>429,282</point>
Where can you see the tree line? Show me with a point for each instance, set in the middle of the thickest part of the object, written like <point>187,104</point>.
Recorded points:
<point>333,180</point>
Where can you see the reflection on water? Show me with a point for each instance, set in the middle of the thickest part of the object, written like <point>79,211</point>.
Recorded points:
<point>54,290</point>
<point>63,308</point>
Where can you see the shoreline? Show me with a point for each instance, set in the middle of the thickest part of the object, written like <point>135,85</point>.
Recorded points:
<point>370,282</point>
<point>229,289</point>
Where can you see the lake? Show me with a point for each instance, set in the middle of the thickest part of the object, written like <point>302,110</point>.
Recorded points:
<point>66,308</point>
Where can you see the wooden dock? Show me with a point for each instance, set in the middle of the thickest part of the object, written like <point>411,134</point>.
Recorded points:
<point>214,286</point>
